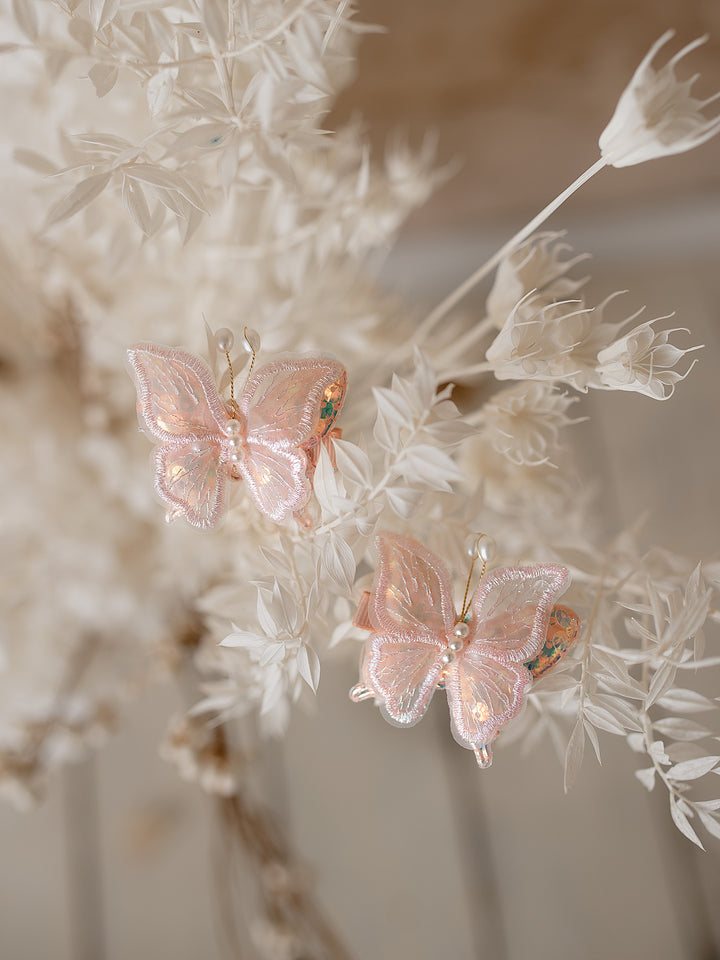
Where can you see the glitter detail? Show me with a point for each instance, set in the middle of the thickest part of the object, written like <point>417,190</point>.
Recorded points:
<point>282,409</point>
<point>413,618</point>
<point>562,632</point>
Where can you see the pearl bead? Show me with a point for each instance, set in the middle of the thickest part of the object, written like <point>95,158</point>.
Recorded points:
<point>224,339</point>
<point>455,645</point>
<point>480,545</point>
<point>461,630</point>
<point>236,456</point>
<point>232,428</point>
<point>447,657</point>
<point>486,549</point>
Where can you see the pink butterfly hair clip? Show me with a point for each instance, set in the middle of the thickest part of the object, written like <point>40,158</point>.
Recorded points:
<point>508,633</point>
<point>270,436</point>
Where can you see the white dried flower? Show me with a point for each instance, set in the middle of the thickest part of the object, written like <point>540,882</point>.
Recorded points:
<point>556,341</point>
<point>535,265</point>
<point>656,115</point>
<point>643,361</point>
<point>523,422</point>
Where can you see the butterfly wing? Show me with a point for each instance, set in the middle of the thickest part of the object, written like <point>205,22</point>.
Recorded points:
<point>483,695</point>
<point>286,408</point>
<point>190,478</point>
<point>511,610</point>
<point>176,393</point>
<point>277,480</point>
<point>412,612</point>
<point>403,673</point>
<point>180,407</point>
<point>486,683</point>
<point>412,595</point>
<point>285,402</point>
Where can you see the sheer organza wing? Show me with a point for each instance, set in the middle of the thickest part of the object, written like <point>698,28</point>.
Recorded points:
<point>403,674</point>
<point>277,480</point>
<point>511,610</point>
<point>176,393</point>
<point>286,401</point>
<point>191,480</point>
<point>483,695</point>
<point>412,596</point>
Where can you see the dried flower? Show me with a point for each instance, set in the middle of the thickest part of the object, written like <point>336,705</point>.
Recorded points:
<point>656,115</point>
<point>524,422</point>
<point>535,265</point>
<point>643,361</point>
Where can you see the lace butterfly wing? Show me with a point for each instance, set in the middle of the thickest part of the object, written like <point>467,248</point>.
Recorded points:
<point>286,409</point>
<point>510,615</point>
<point>181,409</point>
<point>412,612</point>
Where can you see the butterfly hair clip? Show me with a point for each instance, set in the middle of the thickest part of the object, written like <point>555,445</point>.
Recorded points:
<point>270,436</point>
<point>485,658</point>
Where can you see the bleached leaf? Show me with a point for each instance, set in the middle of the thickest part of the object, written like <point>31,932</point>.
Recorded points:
<point>429,466</point>
<point>80,196</point>
<point>692,769</point>
<point>136,204</point>
<point>353,462</point>
<point>574,754</point>
<point>402,501</point>
<point>104,77</point>
<point>81,31</point>
<point>661,682</point>
<point>338,562</point>
<point>680,700</point>
<point>102,12</point>
<point>680,728</point>
<point>264,616</point>
<point>241,638</point>
<point>593,738</point>
<point>646,777</point>
<point>159,90</point>
<point>215,18</point>
<point>308,664</point>
<point>711,824</point>
<point>34,161</point>
<point>682,823</point>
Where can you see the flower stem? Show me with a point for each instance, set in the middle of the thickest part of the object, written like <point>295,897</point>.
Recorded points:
<point>442,309</point>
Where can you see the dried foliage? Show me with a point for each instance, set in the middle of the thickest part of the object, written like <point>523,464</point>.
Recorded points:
<point>178,166</point>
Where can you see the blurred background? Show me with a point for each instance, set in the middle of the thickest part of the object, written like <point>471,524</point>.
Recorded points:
<point>419,855</point>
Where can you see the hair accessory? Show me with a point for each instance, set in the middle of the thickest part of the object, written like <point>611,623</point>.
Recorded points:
<point>485,658</point>
<point>269,437</point>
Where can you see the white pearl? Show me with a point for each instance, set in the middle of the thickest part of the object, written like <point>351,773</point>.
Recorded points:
<point>486,549</point>
<point>235,443</point>
<point>224,339</point>
<point>236,456</point>
<point>461,629</point>
<point>447,657</point>
<point>480,545</point>
<point>232,428</point>
<point>455,645</point>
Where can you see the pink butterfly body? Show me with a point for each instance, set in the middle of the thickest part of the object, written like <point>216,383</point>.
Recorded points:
<point>268,439</point>
<point>419,643</point>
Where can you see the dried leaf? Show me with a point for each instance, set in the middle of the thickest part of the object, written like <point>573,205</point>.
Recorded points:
<point>574,754</point>
<point>682,822</point>
<point>80,196</point>
<point>692,769</point>
<point>308,664</point>
<point>104,77</point>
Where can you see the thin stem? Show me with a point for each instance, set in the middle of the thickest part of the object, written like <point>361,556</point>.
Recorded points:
<point>443,308</point>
